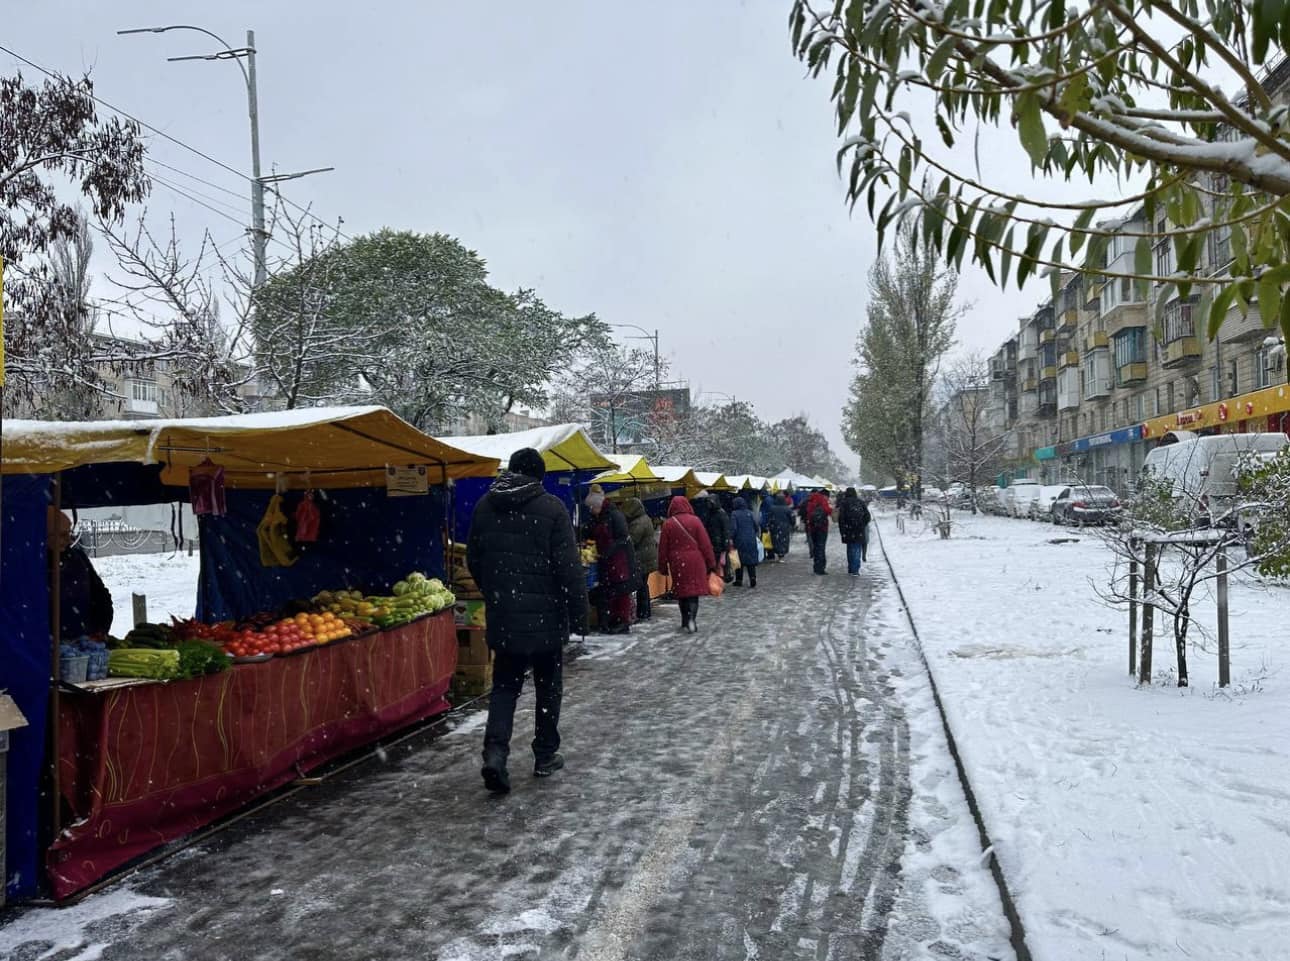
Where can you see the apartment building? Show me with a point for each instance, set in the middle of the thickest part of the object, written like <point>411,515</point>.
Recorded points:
<point>1106,369</point>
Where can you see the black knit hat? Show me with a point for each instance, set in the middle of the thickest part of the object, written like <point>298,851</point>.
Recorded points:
<point>528,462</point>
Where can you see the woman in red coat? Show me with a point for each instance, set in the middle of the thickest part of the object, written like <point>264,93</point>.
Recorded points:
<point>685,554</point>
<point>614,592</point>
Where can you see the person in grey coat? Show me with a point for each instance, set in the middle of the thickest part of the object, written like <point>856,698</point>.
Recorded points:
<point>640,527</point>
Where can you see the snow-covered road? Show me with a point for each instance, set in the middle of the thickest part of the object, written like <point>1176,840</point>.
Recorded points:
<point>777,786</point>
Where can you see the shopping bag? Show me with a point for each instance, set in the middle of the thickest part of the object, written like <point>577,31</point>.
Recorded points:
<point>716,584</point>
<point>766,542</point>
<point>761,552</point>
<point>734,561</point>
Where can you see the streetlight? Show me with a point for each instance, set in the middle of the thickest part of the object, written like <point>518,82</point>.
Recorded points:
<point>259,236</point>
<point>658,375</point>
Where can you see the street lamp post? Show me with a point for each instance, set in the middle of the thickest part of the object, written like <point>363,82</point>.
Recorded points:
<point>259,238</point>
<point>658,367</point>
<point>259,235</point>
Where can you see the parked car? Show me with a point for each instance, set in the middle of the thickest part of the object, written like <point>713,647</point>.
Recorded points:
<point>959,495</point>
<point>1041,508</point>
<point>1082,504</point>
<point>989,499</point>
<point>1018,495</point>
<point>1202,470</point>
<point>933,495</point>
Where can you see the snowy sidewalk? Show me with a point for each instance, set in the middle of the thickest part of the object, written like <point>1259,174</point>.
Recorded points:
<point>1131,824</point>
<point>775,787</point>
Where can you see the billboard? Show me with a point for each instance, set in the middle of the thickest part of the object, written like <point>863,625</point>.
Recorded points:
<point>622,421</point>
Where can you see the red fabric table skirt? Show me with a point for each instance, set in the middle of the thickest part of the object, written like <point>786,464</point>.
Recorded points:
<point>140,766</point>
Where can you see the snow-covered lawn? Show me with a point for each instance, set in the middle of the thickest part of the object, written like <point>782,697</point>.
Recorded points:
<point>1131,823</point>
<point>169,581</point>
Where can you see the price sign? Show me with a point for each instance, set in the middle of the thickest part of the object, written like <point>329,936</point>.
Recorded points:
<point>406,481</point>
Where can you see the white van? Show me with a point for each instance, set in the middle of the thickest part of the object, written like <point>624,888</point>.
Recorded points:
<point>1202,470</point>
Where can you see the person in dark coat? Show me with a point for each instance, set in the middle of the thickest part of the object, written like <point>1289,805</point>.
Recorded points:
<point>615,565</point>
<point>818,510</point>
<point>853,524</point>
<point>685,554</point>
<point>746,534</point>
<point>780,522</point>
<point>85,604</point>
<point>717,523</point>
<point>523,555</point>
<point>645,542</point>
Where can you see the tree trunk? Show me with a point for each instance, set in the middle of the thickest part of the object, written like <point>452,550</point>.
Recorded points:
<point>1181,621</point>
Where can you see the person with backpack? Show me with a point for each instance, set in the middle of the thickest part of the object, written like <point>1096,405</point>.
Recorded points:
<point>685,554</point>
<point>746,534</point>
<point>818,511</point>
<point>853,524</point>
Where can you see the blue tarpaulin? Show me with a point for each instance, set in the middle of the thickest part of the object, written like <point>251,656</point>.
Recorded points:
<point>367,540</point>
<point>467,493</point>
<point>24,668</point>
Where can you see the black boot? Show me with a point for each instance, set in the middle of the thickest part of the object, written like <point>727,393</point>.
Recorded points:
<point>548,766</point>
<point>496,778</point>
<point>752,577</point>
<point>739,577</point>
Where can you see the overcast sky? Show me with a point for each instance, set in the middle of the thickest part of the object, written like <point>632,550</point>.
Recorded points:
<point>667,165</point>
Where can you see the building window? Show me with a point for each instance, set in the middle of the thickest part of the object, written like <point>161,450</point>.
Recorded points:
<point>1263,368</point>
<point>1216,384</point>
<point>1155,406</point>
<point>1169,397</point>
<point>1130,347</point>
<point>144,390</point>
<point>1233,379</point>
<point>1141,405</point>
<point>1180,321</point>
<point>1164,251</point>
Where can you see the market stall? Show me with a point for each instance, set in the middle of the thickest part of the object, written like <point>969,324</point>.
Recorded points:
<point>335,627</point>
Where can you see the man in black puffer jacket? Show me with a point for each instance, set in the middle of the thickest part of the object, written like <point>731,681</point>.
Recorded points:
<point>524,557</point>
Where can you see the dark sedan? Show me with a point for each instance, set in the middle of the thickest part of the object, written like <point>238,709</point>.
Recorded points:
<point>1083,504</point>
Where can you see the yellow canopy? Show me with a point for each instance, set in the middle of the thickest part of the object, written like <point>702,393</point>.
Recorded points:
<point>628,469</point>
<point>710,480</point>
<point>337,447</point>
<point>564,447</point>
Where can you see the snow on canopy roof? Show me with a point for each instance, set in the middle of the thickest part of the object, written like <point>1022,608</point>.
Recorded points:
<point>790,477</point>
<point>713,481</point>
<point>679,477</point>
<point>564,447</point>
<point>740,481</point>
<point>337,446</point>
<point>628,469</point>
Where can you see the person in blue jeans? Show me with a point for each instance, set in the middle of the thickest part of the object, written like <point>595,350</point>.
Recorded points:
<point>853,524</point>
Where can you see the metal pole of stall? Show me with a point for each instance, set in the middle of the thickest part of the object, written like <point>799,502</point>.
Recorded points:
<point>55,634</point>
<point>1224,656</point>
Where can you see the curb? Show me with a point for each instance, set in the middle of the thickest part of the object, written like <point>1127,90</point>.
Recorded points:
<point>1017,930</point>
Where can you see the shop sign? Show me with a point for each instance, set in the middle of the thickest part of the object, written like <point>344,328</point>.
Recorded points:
<point>406,481</point>
<point>1125,435</point>
<point>1046,453</point>
<point>1187,418</point>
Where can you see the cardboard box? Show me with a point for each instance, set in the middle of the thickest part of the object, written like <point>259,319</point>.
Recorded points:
<point>472,648</point>
<point>469,613</point>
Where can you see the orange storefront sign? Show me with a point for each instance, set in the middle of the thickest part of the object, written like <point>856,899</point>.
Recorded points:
<point>1227,414</point>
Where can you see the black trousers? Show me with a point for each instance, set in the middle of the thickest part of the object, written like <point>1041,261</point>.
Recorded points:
<point>819,541</point>
<point>643,604</point>
<point>689,609</point>
<point>508,682</point>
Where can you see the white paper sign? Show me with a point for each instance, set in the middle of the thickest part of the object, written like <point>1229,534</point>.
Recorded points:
<point>406,481</point>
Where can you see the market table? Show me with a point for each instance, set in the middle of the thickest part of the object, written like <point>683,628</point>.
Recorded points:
<point>140,766</point>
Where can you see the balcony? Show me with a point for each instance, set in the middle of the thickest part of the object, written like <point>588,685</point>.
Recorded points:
<point>1030,384</point>
<point>1048,409</point>
<point>1131,373</point>
<point>1048,373</point>
<point>1068,321</point>
<point>1047,336</point>
<point>1123,317</point>
<point>139,407</point>
<point>1096,387</point>
<point>1093,295</point>
<point>1184,350</point>
<point>1069,359</point>
<point>1098,340</point>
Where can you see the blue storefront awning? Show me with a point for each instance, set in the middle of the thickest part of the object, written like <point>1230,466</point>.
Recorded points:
<point>1125,435</point>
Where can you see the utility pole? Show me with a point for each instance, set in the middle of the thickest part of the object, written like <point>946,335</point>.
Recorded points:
<point>259,239</point>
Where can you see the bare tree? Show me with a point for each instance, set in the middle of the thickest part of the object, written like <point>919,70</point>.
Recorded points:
<point>972,441</point>
<point>609,392</point>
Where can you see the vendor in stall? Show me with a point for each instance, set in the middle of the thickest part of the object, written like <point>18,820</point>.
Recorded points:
<point>85,604</point>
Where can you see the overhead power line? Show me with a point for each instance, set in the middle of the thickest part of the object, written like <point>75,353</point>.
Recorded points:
<point>175,140</point>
